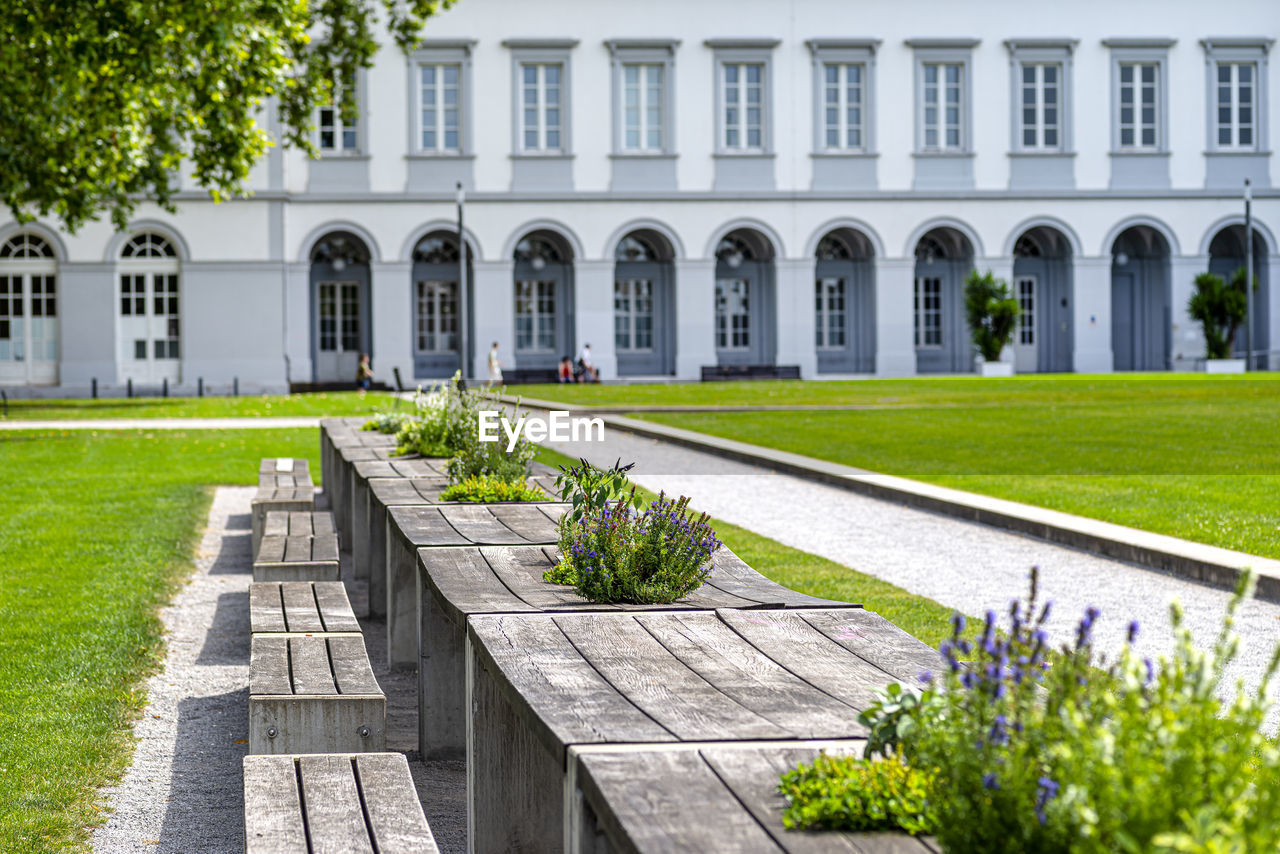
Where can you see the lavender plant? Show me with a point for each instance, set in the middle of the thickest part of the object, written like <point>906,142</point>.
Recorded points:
<point>657,555</point>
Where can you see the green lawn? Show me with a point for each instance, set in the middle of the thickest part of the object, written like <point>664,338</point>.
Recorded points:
<point>1191,456</point>
<point>314,405</point>
<point>96,532</point>
<point>817,576</point>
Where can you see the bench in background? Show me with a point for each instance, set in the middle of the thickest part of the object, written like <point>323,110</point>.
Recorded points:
<point>283,484</point>
<point>719,373</point>
<point>300,607</point>
<point>297,546</point>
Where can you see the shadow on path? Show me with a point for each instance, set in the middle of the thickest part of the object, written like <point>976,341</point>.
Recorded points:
<point>227,640</point>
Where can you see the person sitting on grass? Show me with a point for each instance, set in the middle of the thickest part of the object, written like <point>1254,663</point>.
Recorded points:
<point>565,371</point>
<point>586,370</point>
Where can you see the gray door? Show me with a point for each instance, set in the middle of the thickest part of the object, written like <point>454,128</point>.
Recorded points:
<point>340,326</point>
<point>436,317</point>
<point>942,340</point>
<point>1051,341</point>
<point>643,318</point>
<point>1140,315</point>
<point>744,313</point>
<point>844,316</point>
<point>1123,342</point>
<point>543,315</point>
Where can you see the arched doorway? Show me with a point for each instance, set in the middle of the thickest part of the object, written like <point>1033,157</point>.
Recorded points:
<point>1140,312</point>
<point>340,307</point>
<point>944,257</point>
<point>744,306</point>
<point>1042,284</point>
<point>150,339</point>
<point>543,300</point>
<point>644,305</point>
<point>1226,256</point>
<point>28,311</point>
<point>844,300</point>
<point>437,314</point>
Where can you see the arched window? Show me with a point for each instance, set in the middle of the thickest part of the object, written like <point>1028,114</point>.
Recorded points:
<point>150,309</point>
<point>28,310</point>
<point>635,248</point>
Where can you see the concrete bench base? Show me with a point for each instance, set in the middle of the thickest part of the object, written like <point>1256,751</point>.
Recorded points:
<point>333,802</point>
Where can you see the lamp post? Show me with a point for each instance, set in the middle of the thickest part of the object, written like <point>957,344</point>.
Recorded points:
<point>1248,276</point>
<point>462,285</point>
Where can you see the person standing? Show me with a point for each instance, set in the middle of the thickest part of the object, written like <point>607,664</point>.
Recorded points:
<point>589,374</point>
<point>364,374</point>
<point>495,366</point>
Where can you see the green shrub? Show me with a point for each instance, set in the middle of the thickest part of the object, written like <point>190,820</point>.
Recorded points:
<point>848,793</point>
<point>991,311</point>
<point>433,429</point>
<point>387,422</point>
<point>1032,753</point>
<point>489,490</point>
<point>1220,308</point>
<point>474,458</point>
<point>655,556</point>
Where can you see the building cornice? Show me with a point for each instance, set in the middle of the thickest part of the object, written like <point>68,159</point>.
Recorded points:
<point>942,43</point>
<point>751,44</point>
<point>817,45</point>
<point>540,44</point>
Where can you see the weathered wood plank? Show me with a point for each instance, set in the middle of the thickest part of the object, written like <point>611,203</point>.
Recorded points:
<point>331,798</point>
<point>300,611</point>
<point>334,607</point>
<point>276,524</point>
<point>741,672</point>
<point>269,667</point>
<point>273,821</point>
<point>815,658</point>
<point>324,547</point>
<point>647,674</point>
<point>731,574</point>
<point>874,639</point>
<point>424,526</point>
<point>309,666</point>
<point>520,569</point>
<point>352,672</point>
<point>528,521</point>
<point>478,525</point>
<point>667,801</point>
<point>297,549</point>
<point>271,550</point>
<point>266,610</point>
<point>395,818</point>
<point>463,582</point>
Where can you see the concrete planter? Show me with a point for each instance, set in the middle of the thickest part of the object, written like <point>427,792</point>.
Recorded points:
<point>995,369</point>
<point>1224,366</point>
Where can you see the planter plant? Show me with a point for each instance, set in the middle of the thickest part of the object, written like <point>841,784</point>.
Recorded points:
<point>992,314</point>
<point>1220,308</point>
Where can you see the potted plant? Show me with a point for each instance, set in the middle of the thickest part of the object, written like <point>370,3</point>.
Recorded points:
<point>1220,308</point>
<point>992,313</point>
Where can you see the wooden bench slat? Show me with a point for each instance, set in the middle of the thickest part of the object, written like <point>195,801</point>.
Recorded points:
<point>806,652</point>
<point>741,672</point>
<point>300,524</point>
<point>396,822</point>
<point>647,674</point>
<point>324,547</point>
<point>332,801</point>
<point>521,569</point>
<point>467,583</point>
<point>276,523</point>
<point>269,667</point>
<point>272,548</point>
<point>734,576</point>
<point>322,524</point>
<point>273,822</point>
<point>528,521</point>
<point>297,549</point>
<point>266,613</point>
<point>874,639</point>
<point>424,525</point>
<point>300,611</point>
<point>334,607</point>
<point>351,669</point>
<point>309,666</point>
<point>478,525</point>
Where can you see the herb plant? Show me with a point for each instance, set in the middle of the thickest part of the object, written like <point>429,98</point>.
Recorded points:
<point>848,793</point>
<point>387,422</point>
<point>483,489</point>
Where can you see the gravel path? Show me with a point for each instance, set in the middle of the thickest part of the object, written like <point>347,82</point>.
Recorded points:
<point>963,565</point>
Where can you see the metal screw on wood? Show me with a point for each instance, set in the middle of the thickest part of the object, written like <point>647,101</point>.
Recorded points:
<point>271,732</point>
<point>364,732</point>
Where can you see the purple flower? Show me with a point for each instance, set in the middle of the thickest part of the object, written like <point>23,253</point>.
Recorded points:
<point>1133,630</point>
<point>990,781</point>
<point>1048,791</point>
<point>926,676</point>
<point>1151,670</point>
<point>999,730</point>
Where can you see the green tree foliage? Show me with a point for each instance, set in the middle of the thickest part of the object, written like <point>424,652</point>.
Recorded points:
<point>1220,308</point>
<point>991,311</point>
<point>104,99</point>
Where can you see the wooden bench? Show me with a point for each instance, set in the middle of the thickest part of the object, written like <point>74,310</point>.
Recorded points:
<point>361,473</point>
<point>459,584</point>
<point>339,430</point>
<point>359,803</point>
<point>539,684</point>
<point>720,373</point>
<point>297,546</point>
<point>409,529</point>
<point>526,376</point>
<point>702,797</point>
<point>283,484</point>
<point>346,456</point>
<point>300,607</point>
<point>314,694</point>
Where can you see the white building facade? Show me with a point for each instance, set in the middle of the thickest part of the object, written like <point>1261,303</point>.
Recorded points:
<point>685,185</point>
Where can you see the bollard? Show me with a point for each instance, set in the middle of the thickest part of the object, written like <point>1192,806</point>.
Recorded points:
<point>164,387</point>
<point>94,388</point>
<point>235,386</point>
<point>4,398</point>
<point>399,383</point>
<point>128,387</point>
<point>200,387</point>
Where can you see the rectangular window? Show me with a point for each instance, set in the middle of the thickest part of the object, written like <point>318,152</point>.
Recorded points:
<point>10,319</point>
<point>733,314</point>
<point>1236,115</point>
<point>1139,118</point>
<point>928,311</point>
<point>742,91</point>
<point>437,317</point>
<point>830,327</point>
<point>133,296</point>
<point>350,325</point>
<point>943,104</point>
<point>536,316</point>
<point>1027,302</point>
<point>633,315</point>
<point>335,136</point>
<point>843,105</point>
<point>438,102</point>
<point>643,107</point>
<point>1041,106</point>
<point>541,110</point>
